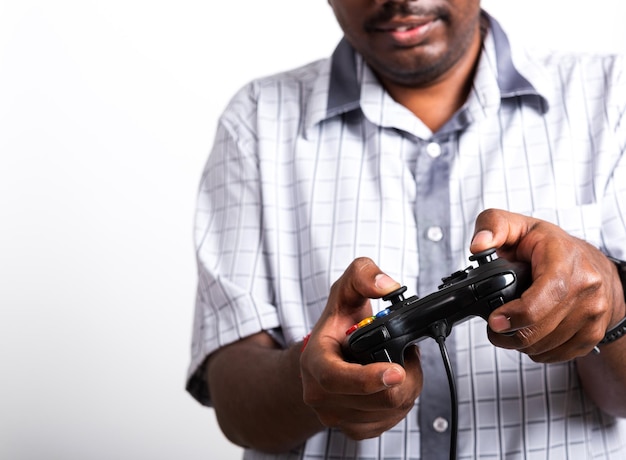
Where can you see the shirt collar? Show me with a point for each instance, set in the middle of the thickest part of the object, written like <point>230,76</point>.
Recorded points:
<point>510,81</point>
<point>345,83</point>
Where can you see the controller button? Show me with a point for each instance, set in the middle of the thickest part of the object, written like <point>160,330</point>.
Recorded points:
<point>381,356</point>
<point>371,339</point>
<point>495,303</point>
<point>453,278</point>
<point>484,257</point>
<point>352,329</point>
<point>382,313</point>
<point>396,296</point>
<point>366,321</point>
<point>493,284</point>
<point>404,303</point>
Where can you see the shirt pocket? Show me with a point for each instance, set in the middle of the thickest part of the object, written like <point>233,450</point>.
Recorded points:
<point>582,221</point>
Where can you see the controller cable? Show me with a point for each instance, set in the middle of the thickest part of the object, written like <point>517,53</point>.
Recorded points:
<point>439,331</point>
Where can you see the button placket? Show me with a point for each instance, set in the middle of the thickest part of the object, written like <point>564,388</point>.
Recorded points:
<point>432,216</point>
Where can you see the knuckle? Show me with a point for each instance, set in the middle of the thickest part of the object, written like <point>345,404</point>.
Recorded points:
<point>325,379</point>
<point>360,264</point>
<point>361,261</point>
<point>398,401</point>
<point>391,399</point>
<point>559,289</point>
<point>406,405</point>
<point>595,311</point>
<point>595,333</point>
<point>328,383</point>
<point>488,213</point>
<point>329,420</point>
<point>310,397</point>
<point>593,282</point>
<point>525,338</point>
<point>357,434</point>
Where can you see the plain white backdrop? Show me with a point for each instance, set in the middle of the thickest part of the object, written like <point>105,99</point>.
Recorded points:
<point>107,113</point>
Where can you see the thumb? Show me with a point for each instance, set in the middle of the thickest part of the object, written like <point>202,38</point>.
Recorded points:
<point>385,284</point>
<point>350,295</point>
<point>361,281</point>
<point>506,231</point>
<point>349,300</point>
<point>495,228</point>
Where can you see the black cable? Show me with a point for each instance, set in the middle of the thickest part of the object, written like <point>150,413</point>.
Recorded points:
<point>439,332</point>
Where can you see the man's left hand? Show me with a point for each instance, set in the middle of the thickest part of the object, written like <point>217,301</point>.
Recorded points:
<point>575,295</point>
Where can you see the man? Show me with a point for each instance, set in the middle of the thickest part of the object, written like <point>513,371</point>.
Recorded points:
<point>424,137</point>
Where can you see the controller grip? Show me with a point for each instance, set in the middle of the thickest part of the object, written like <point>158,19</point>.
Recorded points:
<point>471,292</point>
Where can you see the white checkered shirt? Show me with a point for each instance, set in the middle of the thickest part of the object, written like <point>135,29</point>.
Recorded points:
<point>315,167</point>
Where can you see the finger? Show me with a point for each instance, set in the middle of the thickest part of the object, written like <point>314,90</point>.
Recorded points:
<point>341,377</point>
<point>493,228</point>
<point>566,348</point>
<point>359,430</point>
<point>530,340</point>
<point>400,387</point>
<point>536,308</point>
<point>549,339</point>
<point>525,322</point>
<point>372,406</point>
<point>349,299</point>
<point>496,228</point>
<point>562,289</point>
<point>577,346</point>
<point>361,281</point>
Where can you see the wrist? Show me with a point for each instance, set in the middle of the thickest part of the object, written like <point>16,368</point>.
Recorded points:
<point>618,325</point>
<point>620,265</point>
<point>616,332</point>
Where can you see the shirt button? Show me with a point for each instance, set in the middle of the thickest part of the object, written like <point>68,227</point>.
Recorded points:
<point>440,424</point>
<point>433,149</point>
<point>434,233</point>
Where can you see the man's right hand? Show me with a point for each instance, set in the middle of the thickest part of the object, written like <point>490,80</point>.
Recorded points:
<point>361,401</point>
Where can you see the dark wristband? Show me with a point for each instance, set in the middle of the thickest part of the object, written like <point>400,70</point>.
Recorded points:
<point>620,329</point>
<point>614,333</point>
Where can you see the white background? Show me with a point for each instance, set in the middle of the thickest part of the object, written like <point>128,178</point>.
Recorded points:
<point>107,113</point>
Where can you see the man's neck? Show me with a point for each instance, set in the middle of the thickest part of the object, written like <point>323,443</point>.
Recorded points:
<point>436,104</point>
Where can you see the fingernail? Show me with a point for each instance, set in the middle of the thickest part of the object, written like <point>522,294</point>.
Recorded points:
<point>392,377</point>
<point>384,282</point>
<point>500,323</point>
<point>483,238</point>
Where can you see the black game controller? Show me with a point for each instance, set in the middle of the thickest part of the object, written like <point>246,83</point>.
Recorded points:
<point>475,291</point>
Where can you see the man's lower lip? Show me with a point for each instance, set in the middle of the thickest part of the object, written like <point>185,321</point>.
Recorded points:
<point>410,37</point>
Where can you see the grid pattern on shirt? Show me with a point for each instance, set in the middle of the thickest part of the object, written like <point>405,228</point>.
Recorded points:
<point>281,215</point>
